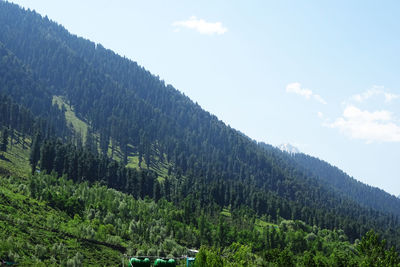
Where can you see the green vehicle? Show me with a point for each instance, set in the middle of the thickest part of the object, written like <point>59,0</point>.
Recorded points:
<point>164,263</point>
<point>135,262</point>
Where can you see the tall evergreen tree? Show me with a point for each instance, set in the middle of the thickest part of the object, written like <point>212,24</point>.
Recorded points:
<point>4,140</point>
<point>35,151</point>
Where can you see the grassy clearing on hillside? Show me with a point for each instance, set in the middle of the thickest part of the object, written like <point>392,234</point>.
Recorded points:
<point>159,166</point>
<point>16,159</point>
<point>78,125</point>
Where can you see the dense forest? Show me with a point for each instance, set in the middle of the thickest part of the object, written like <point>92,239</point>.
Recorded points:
<point>131,162</point>
<point>340,181</point>
<point>94,217</point>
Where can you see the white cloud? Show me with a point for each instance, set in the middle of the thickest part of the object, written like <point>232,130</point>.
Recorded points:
<point>319,99</point>
<point>373,92</point>
<point>389,97</point>
<point>201,26</point>
<point>307,93</point>
<point>377,126</point>
<point>296,88</point>
<point>320,115</point>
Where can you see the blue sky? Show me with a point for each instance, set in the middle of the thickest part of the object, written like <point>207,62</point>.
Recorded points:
<point>321,75</point>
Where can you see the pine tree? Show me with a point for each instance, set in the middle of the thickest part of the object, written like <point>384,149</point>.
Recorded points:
<point>4,140</point>
<point>90,143</point>
<point>35,151</point>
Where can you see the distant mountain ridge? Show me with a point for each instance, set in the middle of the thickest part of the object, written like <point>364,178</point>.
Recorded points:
<point>340,181</point>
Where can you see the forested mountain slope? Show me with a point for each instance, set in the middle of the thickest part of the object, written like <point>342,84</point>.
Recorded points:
<point>128,108</point>
<point>340,181</point>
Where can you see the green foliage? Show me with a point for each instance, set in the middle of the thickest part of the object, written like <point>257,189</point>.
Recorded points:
<point>375,252</point>
<point>285,258</point>
<point>32,231</point>
<point>209,257</point>
<point>239,255</point>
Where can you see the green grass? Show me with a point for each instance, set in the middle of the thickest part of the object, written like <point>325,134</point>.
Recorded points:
<point>157,165</point>
<point>16,159</point>
<point>78,125</point>
<point>133,162</point>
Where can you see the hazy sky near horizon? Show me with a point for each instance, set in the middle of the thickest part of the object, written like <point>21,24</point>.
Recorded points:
<point>321,75</point>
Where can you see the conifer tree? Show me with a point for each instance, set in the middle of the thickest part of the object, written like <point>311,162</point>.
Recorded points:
<point>4,140</point>
<point>35,151</point>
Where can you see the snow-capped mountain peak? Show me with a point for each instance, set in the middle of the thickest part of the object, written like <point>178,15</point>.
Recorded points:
<point>289,148</point>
